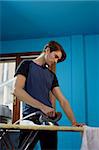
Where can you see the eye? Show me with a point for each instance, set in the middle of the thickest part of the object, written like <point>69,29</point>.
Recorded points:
<point>56,56</point>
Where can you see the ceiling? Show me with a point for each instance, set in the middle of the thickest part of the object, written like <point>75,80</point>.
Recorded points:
<point>42,19</point>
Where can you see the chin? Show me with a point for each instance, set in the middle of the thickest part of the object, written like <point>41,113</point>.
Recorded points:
<point>50,64</point>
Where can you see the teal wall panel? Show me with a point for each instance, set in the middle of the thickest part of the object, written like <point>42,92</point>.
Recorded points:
<point>72,84</point>
<point>92,78</point>
<point>77,73</point>
<point>79,81</point>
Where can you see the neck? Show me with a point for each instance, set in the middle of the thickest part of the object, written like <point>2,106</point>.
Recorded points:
<point>40,60</point>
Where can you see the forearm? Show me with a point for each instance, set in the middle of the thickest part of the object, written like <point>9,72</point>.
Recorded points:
<point>65,106</point>
<point>68,111</point>
<point>22,95</point>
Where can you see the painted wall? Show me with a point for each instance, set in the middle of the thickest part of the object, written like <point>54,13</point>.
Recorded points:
<point>78,78</point>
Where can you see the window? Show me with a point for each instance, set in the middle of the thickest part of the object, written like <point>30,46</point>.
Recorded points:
<point>7,71</point>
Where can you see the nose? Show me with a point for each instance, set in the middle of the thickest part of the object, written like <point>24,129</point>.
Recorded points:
<point>56,60</point>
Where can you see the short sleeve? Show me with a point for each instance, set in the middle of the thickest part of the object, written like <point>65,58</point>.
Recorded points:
<point>55,82</point>
<point>23,68</point>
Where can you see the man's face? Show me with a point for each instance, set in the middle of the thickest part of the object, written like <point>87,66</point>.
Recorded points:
<point>52,57</point>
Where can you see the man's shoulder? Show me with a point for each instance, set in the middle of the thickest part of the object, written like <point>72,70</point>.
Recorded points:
<point>24,64</point>
<point>26,61</point>
<point>53,74</point>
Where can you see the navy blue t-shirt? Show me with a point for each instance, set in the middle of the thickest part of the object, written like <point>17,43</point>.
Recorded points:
<point>39,82</point>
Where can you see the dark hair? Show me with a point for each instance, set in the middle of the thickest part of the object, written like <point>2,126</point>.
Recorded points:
<point>54,46</point>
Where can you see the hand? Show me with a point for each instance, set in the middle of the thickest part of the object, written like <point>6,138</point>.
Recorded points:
<point>75,124</point>
<point>49,111</point>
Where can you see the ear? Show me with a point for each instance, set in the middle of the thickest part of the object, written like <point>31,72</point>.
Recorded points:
<point>47,50</point>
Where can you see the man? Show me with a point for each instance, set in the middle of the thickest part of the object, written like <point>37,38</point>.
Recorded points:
<point>33,85</point>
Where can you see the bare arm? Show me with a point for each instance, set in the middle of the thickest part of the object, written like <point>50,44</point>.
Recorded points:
<point>22,95</point>
<point>65,106</point>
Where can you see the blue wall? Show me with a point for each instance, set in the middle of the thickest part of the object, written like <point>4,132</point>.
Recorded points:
<point>80,83</point>
<point>78,78</point>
